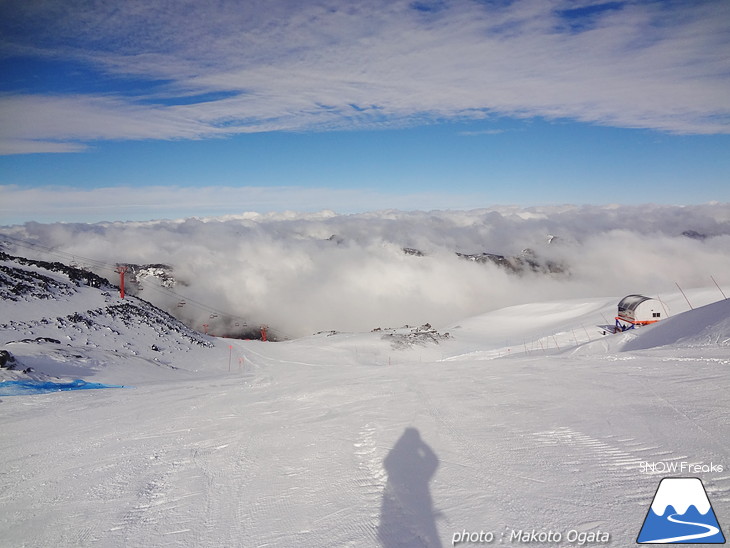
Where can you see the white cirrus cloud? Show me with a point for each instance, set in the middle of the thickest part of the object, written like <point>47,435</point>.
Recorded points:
<point>262,66</point>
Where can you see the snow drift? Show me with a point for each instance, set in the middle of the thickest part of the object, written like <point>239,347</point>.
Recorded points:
<point>708,325</point>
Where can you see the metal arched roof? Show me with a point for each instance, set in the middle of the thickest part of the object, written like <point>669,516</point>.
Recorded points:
<point>630,302</point>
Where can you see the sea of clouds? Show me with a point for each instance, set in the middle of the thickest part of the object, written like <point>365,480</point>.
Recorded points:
<point>305,272</point>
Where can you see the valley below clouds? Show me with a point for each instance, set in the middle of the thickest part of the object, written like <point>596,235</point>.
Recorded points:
<point>300,273</point>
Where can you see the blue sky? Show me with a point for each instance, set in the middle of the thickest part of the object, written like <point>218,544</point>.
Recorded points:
<point>139,110</point>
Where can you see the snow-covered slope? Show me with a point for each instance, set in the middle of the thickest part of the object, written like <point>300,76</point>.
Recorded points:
<point>524,421</point>
<point>705,326</point>
<point>62,321</point>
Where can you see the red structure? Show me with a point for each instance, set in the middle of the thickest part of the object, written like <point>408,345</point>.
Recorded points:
<point>122,270</point>
<point>263,333</point>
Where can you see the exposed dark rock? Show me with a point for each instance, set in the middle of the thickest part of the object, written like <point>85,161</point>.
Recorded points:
<point>421,336</point>
<point>78,276</point>
<point>694,235</point>
<point>528,262</point>
<point>7,360</point>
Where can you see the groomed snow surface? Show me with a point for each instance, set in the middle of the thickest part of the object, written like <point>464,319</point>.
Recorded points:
<point>524,419</point>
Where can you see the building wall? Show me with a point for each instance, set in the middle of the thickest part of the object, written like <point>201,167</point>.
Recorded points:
<point>649,311</point>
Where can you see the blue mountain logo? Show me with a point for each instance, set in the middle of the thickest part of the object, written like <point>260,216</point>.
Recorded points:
<point>681,513</point>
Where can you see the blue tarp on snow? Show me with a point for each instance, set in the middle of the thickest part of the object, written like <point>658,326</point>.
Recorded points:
<point>25,388</point>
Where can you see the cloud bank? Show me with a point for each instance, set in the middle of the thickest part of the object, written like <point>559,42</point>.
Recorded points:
<point>305,272</point>
<point>73,204</point>
<point>187,70</point>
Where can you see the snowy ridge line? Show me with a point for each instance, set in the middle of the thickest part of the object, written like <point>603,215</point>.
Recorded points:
<point>16,283</point>
<point>132,314</point>
<point>63,322</point>
<point>102,318</point>
<point>12,269</point>
<point>20,280</point>
<point>82,270</point>
<point>703,326</point>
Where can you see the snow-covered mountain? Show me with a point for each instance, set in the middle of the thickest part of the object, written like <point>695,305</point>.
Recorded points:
<point>527,261</point>
<point>61,320</point>
<point>162,274</point>
<point>523,421</point>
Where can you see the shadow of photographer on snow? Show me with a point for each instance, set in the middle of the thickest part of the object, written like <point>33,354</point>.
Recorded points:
<point>407,517</point>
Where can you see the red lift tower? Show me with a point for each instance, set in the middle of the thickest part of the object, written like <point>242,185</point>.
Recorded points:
<point>122,269</point>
